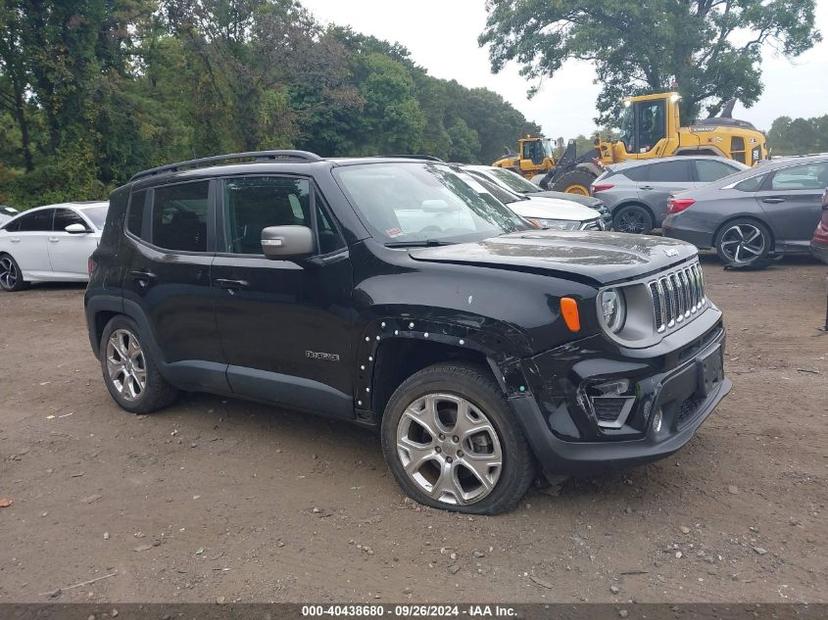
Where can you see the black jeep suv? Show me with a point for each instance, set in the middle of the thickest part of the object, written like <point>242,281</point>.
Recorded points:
<point>394,293</point>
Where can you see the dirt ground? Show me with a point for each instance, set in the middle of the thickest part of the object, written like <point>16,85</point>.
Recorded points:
<point>222,500</point>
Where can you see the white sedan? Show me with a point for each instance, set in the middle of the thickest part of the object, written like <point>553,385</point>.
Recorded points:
<point>50,244</point>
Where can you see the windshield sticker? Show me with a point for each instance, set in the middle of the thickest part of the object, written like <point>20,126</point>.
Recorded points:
<point>393,232</point>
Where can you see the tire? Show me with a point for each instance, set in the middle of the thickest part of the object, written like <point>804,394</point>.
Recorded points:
<point>575,181</point>
<point>124,380</point>
<point>635,219</point>
<point>744,242</point>
<point>11,277</point>
<point>441,470</point>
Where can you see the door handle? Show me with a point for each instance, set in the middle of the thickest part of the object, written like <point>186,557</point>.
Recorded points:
<point>773,201</point>
<point>231,285</point>
<point>53,239</point>
<point>142,277</point>
<point>646,187</point>
<point>15,239</point>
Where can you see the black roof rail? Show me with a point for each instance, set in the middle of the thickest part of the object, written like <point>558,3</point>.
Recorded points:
<point>288,155</point>
<point>404,156</point>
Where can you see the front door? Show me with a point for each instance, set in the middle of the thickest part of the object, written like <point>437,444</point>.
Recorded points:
<point>792,201</point>
<point>284,324</point>
<point>68,253</point>
<point>169,249</point>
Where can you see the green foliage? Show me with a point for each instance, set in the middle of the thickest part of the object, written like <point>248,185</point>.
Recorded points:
<point>799,136</point>
<point>710,48</point>
<point>91,91</point>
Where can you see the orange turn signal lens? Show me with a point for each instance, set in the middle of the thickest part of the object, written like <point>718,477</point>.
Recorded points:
<point>569,311</point>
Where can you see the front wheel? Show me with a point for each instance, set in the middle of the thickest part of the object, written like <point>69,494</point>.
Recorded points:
<point>451,442</point>
<point>743,243</point>
<point>11,278</point>
<point>575,181</point>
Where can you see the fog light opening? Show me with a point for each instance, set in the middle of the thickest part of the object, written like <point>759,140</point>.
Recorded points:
<point>658,418</point>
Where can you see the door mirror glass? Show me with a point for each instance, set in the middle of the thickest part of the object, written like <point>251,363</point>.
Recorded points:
<point>287,241</point>
<point>76,229</point>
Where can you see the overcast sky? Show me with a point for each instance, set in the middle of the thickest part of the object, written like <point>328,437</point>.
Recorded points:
<point>442,37</point>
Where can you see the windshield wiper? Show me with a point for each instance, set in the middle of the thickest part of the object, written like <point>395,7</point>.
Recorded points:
<point>421,243</point>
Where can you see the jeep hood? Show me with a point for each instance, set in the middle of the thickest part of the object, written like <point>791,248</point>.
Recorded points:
<point>603,257</point>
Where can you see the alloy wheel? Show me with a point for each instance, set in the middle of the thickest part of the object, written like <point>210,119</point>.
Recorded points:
<point>742,244</point>
<point>8,273</point>
<point>126,364</point>
<point>632,221</point>
<point>449,448</point>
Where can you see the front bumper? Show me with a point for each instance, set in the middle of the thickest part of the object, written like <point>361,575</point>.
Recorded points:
<point>562,429</point>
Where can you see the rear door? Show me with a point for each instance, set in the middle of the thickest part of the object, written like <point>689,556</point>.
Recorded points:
<point>169,247</point>
<point>663,179</point>
<point>68,253</point>
<point>28,242</point>
<point>791,198</point>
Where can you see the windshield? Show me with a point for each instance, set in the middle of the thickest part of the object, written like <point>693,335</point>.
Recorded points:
<point>410,202</point>
<point>512,180</point>
<point>628,128</point>
<point>495,189</point>
<point>97,215</point>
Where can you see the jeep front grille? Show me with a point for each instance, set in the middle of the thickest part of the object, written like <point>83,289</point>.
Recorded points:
<point>677,295</point>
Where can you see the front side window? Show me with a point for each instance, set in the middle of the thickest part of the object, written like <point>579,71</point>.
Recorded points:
<point>179,217</point>
<point>65,217</point>
<point>254,203</point>
<point>97,215</point>
<point>411,202</point>
<point>38,221</point>
<point>809,176</point>
<point>708,170</point>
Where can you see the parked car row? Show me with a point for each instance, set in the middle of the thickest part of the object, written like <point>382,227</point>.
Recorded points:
<point>747,215</point>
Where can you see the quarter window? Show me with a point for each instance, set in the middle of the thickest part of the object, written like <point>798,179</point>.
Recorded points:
<point>254,203</point>
<point>135,215</point>
<point>750,185</point>
<point>179,217</point>
<point>37,221</point>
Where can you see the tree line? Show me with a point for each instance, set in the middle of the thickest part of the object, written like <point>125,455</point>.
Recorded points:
<point>91,91</point>
<point>799,136</point>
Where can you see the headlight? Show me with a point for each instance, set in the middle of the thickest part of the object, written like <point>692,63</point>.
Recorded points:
<point>614,309</point>
<point>555,224</point>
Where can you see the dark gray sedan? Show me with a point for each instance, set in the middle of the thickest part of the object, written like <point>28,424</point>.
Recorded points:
<point>754,215</point>
<point>636,192</point>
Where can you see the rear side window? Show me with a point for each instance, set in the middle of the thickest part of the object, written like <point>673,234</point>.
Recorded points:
<point>65,217</point>
<point>37,221</point>
<point>179,217</point>
<point>670,172</point>
<point>708,170</point>
<point>254,203</point>
<point>809,176</point>
<point>135,214</point>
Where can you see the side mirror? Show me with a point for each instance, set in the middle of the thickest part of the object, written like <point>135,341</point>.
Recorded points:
<point>287,241</point>
<point>77,229</point>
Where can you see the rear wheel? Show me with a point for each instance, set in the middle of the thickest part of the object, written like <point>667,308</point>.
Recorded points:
<point>129,370</point>
<point>633,219</point>
<point>450,441</point>
<point>575,181</point>
<point>743,243</point>
<point>11,278</point>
